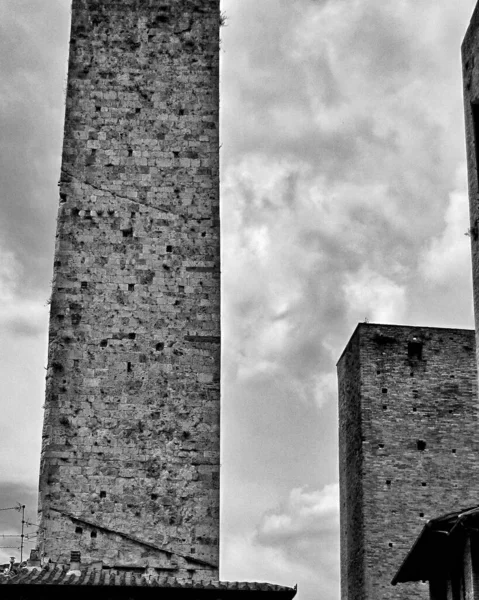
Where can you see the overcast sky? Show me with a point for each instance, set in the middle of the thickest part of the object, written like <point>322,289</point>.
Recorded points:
<point>343,199</point>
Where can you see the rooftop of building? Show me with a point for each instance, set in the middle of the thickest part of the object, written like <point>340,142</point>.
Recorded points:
<point>70,577</point>
<point>430,551</point>
<point>381,328</point>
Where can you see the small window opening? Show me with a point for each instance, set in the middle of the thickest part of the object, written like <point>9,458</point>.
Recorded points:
<point>380,445</point>
<point>378,372</point>
<point>169,248</point>
<point>84,285</point>
<point>384,390</point>
<point>421,514</point>
<point>128,367</point>
<point>388,482</point>
<point>454,451</point>
<point>154,496</point>
<point>414,350</point>
<point>131,287</point>
<point>79,530</point>
<point>130,152</point>
<point>131,336</point>
<point>102,494</point>
<point>391,544</point>
<point>414,409</point>
<point>421,445</point>
<point>103,343</point>
<point>127,233</point>
<point>93,534</point>
<point>385,406</point>
<point>160,346</point>
<point>423,484</point>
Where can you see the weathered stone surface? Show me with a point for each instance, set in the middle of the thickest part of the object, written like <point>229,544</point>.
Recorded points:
<point>409,447</point>
<point>470,74</point>
<point>131,430</point>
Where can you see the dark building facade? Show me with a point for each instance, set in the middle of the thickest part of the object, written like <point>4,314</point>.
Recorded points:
<point>446,554</point>
<point>409,447</point>
<point>130,456</point>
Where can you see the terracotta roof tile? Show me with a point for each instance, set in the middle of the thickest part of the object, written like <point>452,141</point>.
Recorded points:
<point>61,575</point>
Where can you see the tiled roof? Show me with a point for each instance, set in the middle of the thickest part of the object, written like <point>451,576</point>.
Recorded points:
<point>61,575</point>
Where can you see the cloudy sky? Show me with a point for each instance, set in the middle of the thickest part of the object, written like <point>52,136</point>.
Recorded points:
<point>343,199</point>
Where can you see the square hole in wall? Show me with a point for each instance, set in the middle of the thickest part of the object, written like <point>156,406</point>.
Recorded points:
<point>414,350</point>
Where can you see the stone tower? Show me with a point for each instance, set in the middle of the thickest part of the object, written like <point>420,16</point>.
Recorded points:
<point>409,447</point>
<point>130,457</point>
<point>470,72</point>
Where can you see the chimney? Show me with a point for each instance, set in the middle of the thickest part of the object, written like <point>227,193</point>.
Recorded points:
<point>34,560</point>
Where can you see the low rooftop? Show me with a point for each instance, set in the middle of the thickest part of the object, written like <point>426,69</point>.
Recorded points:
<point>62,580</point>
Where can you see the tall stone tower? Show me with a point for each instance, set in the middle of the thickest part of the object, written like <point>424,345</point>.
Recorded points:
<point>470,73</point>
<point>130,457</point>
<point>409,447</point>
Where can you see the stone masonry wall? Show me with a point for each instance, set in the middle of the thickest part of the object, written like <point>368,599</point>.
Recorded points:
<point>470,73</point>
<point>130,458</point>
<point>409,436</point>
<point>350,474</point>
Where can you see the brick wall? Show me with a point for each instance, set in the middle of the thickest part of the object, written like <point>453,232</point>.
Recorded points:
<point>409,447</point>
<point>130,458</point>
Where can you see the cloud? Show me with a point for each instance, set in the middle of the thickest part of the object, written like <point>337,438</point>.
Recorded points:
<point>18,315</point>
<point>296,543</point>
<point>305,514</point>
<point>446,257</point>
<point>305,529</point>
<point>34,48</point>
<point>342,136</point>
<point>377,298</point>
